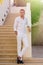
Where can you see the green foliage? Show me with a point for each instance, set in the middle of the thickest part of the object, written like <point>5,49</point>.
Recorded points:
<point>35,10</point>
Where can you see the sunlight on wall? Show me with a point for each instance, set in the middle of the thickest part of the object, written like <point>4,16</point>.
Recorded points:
<point>12,1</point>
<point>41,1</point>
<point>1,1</point>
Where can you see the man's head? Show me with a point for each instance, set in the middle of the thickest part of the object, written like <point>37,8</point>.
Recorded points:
<point>22,12</point>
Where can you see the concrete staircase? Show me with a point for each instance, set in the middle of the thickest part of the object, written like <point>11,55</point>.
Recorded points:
<point>8,45</point>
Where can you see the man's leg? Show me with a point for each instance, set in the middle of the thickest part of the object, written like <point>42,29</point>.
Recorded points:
<point>19,44</point>
<point>19,41</point>
<point>25,43</point>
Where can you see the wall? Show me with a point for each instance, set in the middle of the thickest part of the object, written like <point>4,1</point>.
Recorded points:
<point>4,9</point>
<point>20,3</point>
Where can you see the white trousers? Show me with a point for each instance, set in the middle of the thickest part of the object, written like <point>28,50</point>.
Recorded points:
<point>22,38</point>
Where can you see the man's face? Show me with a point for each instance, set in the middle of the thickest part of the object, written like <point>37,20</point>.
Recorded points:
<point>22,13</point>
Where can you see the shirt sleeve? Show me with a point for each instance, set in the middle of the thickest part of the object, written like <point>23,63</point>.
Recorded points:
<point>15,25</point>
<point>27,22</point>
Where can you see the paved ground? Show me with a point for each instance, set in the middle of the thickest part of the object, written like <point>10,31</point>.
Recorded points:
<point>37,51</point>
<point>23,64</point>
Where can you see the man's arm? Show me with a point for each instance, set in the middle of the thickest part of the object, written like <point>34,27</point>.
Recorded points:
<point>28,26</point>
<point>15,26</point>
<point>29,29</point>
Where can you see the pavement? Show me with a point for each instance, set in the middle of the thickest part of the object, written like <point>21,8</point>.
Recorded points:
<point>37,51</point>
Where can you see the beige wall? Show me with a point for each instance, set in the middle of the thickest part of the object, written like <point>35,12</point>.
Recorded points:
<point>20,2</point>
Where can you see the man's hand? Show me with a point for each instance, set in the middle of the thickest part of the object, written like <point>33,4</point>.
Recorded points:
<point>29,29</point>
<point>16,32</point>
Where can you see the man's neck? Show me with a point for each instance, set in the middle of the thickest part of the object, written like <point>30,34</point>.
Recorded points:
<point>22,17</point>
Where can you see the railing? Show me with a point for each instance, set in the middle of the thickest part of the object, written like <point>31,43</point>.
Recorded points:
<point>4,9</point>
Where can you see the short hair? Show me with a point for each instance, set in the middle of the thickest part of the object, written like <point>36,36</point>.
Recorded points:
<point>22,10</point>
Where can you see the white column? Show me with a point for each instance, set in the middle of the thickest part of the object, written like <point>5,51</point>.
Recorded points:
<point>28,53</point>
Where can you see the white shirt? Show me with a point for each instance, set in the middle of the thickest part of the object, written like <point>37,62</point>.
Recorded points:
<point>20,24</point>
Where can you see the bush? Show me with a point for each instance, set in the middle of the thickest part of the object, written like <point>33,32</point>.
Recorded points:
<point>35,10</point>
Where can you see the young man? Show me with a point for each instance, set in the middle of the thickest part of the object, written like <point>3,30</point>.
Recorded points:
<point>20,30</point>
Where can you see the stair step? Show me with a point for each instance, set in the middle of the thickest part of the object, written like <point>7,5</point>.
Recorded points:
<point>8,52</point>
<point>2,30</point>
<point>33,60</point>
<point>7,47</point>
<point>5,26</point>
<point>8,60</point>
<point>5,40</point>
<point>12,42</point>
<point>9,63</point>
<point>8,56</point>
<point>7,34</point>
<point>6,30</point>
<point>8,38</point>
<point>13,60</point>
<point>8,43</point>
